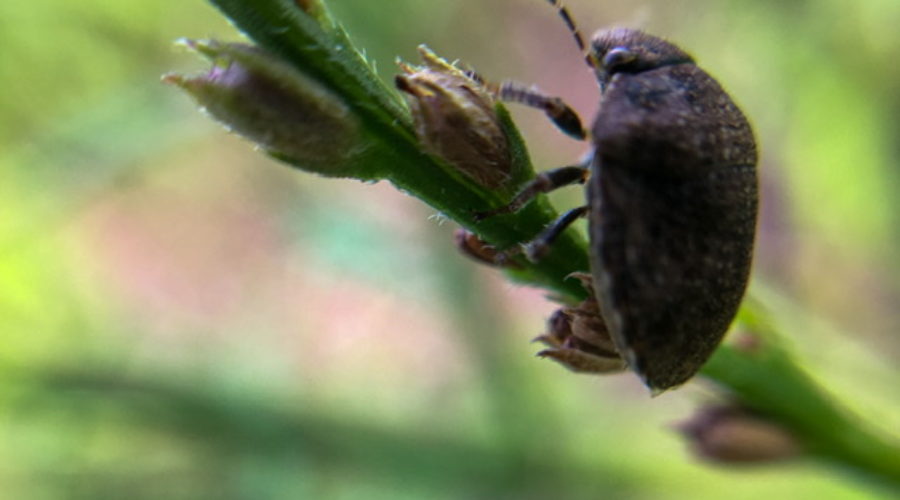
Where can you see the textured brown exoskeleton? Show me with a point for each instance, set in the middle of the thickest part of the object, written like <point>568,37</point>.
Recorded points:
<point>672,203</point>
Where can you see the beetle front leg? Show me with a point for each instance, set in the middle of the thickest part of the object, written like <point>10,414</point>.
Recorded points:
<point>561,114</point>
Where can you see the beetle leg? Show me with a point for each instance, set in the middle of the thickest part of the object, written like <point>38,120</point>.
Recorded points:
<point>535,249</point>
<point>538,247</point>
<point>470,245</point>
<point>543,183</point>
<point>561,114</point>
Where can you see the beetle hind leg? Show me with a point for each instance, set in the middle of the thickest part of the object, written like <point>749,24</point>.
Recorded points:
<point>538,247</point>
<point>534,250</point>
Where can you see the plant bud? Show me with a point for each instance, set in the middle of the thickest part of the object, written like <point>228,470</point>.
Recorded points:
<point>456,120</point>
<point>291,116</point>
<point>733,435</point>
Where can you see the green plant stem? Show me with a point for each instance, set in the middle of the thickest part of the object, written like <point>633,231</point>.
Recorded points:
<point>321,49</point>
<point>767,379</point>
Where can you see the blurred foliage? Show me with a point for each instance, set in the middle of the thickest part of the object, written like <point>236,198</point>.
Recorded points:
<point>184,319</point>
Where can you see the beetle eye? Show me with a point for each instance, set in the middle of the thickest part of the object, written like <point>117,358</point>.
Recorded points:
<point>618,58</point>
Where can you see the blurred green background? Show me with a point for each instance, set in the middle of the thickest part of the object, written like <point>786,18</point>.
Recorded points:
<point>183,318</point>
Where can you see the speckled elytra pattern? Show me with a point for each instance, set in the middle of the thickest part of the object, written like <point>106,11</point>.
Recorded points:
<point>673,197</point>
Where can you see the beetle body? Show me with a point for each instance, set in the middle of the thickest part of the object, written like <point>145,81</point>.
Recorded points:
<point>673,203</point>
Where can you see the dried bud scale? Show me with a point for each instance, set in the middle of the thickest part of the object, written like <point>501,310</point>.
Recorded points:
<point>578,339</point>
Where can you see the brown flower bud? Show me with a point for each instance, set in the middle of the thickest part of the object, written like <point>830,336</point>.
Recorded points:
<point>732,435</point>
<point>456,120</point>
<point>288,114</point>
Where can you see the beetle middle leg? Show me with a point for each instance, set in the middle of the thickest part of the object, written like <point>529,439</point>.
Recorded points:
<point>543,183</point>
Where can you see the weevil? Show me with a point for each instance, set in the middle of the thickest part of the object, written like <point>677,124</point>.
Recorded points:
<point>671,208</point>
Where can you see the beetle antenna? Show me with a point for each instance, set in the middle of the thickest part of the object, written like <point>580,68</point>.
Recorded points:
<point>589,56</point>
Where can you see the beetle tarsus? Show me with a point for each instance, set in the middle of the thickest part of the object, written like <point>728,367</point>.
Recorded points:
<point>477,249</point>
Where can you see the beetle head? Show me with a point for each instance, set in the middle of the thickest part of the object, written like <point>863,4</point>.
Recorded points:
<point>623,50</point>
